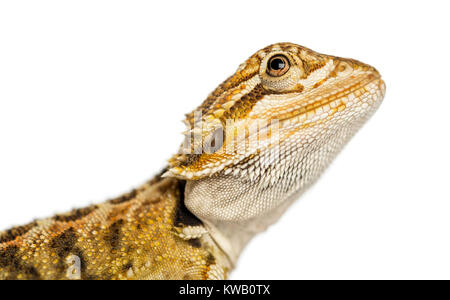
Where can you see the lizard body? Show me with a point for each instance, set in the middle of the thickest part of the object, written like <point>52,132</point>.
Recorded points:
<point>253,146</point>
<point>135,236</point>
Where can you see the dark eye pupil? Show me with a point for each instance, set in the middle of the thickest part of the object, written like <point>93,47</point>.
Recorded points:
<point>277,64</point>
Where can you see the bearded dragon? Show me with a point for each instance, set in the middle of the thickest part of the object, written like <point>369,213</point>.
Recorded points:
<point>252,147</point>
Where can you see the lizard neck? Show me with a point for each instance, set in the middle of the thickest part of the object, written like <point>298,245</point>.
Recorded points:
<point>235,208</point>
<point>232,231</point>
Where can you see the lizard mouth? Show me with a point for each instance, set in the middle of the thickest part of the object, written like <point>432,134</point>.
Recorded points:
<point>310,110</point>
<point>313,108</point>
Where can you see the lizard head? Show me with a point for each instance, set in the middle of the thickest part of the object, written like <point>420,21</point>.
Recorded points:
<point>268,131</point>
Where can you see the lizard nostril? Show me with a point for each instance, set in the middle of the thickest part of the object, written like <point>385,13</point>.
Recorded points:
<point>344,68</point>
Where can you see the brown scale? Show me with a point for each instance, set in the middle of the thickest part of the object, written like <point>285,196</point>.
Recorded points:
<point>14,232</point>
<point>244,105</point>
<point>231,83</point>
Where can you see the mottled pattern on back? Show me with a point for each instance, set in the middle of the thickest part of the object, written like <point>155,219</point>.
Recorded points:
<point>135,236</point>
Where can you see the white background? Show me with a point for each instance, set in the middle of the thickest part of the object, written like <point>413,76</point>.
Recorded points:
<point>92,94</point>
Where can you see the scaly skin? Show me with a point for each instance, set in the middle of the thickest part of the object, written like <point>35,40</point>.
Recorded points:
<point>136,236</point>
<point>254,145</point>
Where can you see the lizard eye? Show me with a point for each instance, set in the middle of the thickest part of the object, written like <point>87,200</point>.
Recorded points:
<point>277,66</point>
